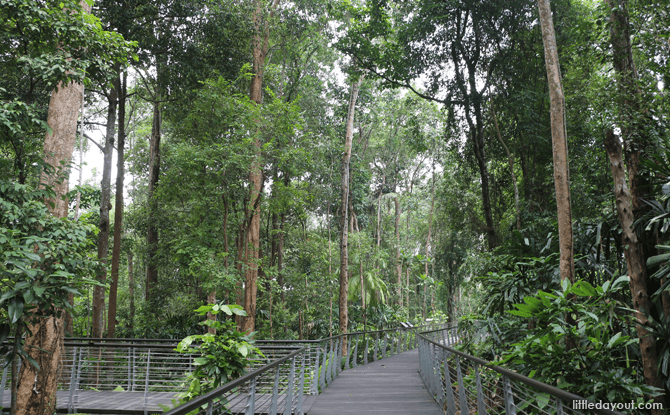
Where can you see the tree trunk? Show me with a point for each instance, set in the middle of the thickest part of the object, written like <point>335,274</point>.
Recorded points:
<point>131,290</point>
<point>344,206</point>
<point>480,155</point>
<point>98,321</point>
<point>211,299</point>
<point>559,143</point>
<point>398,264</point>
<point>511,168</point>
<point>260,44</point>
<point>118,211</point>
<point>430,228</point>
<point>69,323</point>
<point>36,390</point>
<point>152,231</point>
<point>636,264</point>
<point>330,273</point>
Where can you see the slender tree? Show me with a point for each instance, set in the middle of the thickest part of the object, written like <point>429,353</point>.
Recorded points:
<point>344,208</point>
<point>560,143</point>
<point>118,209</point>
<point>98,320</point>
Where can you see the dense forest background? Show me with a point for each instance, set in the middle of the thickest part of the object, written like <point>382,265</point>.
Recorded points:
<point>342,166</point>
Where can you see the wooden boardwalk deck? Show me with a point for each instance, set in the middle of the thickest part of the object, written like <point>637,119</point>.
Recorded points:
<point>132,403</point>
<point>387,386</point>
<point>109,402</point>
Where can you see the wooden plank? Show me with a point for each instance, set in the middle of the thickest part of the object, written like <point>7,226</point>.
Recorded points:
<point>388,386</point>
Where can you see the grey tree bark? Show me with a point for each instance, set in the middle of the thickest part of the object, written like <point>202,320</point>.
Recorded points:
<point>559,143</point>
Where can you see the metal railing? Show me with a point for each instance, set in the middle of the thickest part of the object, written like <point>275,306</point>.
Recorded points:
<point>304,372</point>
<point>140,368</point>
<point>464,384</point>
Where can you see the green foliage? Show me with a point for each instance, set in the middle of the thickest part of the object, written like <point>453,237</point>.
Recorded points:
<point>222,356</point>
<point>42,258</point>
<point>590,357</point>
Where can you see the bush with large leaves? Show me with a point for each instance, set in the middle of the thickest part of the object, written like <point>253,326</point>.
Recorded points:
<point>603,365</point>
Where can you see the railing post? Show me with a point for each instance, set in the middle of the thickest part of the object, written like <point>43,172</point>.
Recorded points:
<point>129,364</point>
<point>132,389</point>
<point>329,368</point>
<point>70,402</point>
<point>365,351</point>
<point>289,389</point>
<point>384,346</point>
<point>340,352</point>
<point>323,365</point>
<point>76,382</point>
<point>461,388</point>
<point>510,408</point>
<point>2,383</point>
<point>355,362</point>
<point>438,369</point>
<point>391,342</point>
<point>374,344</point>
<point>251,398</point>
<point>146,381</point>
<point>435,370</point>
<point>451,401</point>
<point>315,376</point>
<point>481,405</point>
<point>300,390</point>
<point>559,407</point>
<point>275,393</point>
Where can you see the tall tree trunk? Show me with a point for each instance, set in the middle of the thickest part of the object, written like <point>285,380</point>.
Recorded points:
<point>344,206</point>
<point>398,264</point>
<point>260,44</point>
<point>430,228</point>
<point>98,321</point>
<point>118,209</point>
<point>635,263</point>
<point>154,172</point>
<point>45,341</point>
<point>131,290</point>
<point>632,122</point>
<point>330,273</point>
<point>480,155</point>
<point>560,143</point>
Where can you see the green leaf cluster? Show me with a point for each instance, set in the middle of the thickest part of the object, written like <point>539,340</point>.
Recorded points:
<point>221,357</point>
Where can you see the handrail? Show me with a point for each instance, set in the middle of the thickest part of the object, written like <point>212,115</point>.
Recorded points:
<point>211,395</point>
<point>437,375</point>
<point>322,360</point>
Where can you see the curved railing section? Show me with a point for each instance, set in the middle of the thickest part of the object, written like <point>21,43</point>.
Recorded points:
<point>309,370</point>
<point>464,384</point>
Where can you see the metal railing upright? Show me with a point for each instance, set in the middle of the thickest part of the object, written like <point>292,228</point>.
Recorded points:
<point>465,384</point>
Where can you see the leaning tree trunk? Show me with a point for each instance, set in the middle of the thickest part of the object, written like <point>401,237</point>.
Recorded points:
<point>635,263</point>
<point>118,212</point>
<point>98,319</point>
<point>45,343</point>
<point>344,206</point>
<point>559,143</point>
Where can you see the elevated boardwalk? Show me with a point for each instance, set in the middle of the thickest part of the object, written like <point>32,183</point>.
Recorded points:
<point>388,386</point>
